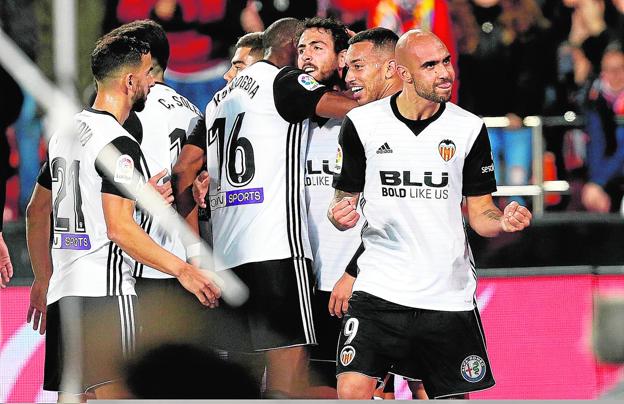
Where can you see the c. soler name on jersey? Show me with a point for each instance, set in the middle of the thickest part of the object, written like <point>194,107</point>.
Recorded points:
<point>408,184</point>
<point>245,83</point>
<point>322,176</point>
<point>179,101</point>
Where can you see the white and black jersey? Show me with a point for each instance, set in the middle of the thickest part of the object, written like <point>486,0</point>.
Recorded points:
<point>86,263</point>
<point>413,175</point>
<point>332,249</point>
<point>256,138</point>
<point>162,129</point>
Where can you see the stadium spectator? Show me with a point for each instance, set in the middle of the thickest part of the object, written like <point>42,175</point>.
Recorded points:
<point>605,153</point>
<point>504,74</point>
<point>595,24</point>
<point>19,21</point>
<point>200,33</point>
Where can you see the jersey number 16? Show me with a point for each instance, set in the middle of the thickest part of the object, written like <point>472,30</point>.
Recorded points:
<point>239,153</point>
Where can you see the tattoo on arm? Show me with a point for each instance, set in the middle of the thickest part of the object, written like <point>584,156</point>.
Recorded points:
<point>339,196</point>
<point>493,214</point>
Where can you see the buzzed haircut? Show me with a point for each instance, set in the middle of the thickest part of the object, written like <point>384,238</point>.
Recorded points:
<point>112,52</point>
<point>380,37</point>
<point>151,32</point>
<point>253,41</point>
<point>338,30</point>
<point>280,32</point>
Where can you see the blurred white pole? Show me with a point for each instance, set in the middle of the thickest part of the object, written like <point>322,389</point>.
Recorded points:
<point>64,34</point>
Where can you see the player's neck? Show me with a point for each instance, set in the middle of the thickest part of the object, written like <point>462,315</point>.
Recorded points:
<point>279,59</point>
<point>414,107</point>
<point>391,87</point>
<point>113,104</point>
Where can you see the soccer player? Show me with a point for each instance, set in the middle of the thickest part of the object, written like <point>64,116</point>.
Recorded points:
<point>414,157</point>
<point>321,48</point>
<point>87,303</point>
<point>187,176</point>
<point>371,76</point>
<point>248,50</point>
<point>256,162</point>
<point>161,129</point>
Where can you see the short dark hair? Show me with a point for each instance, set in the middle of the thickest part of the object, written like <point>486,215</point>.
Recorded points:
<point>115,51</point>
<point>338,30</point>
<point>380,37</point>
<point>151,32</point>
<point>614,46</point>
<point>253,41</point>
<point>280,33</point>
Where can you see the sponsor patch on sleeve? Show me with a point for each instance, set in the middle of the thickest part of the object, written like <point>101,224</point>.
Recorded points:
<point>308,82</point>
<point>338,167</point>
<point>124,169</point>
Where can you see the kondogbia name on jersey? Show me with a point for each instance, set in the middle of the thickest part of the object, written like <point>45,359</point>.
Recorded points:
<point>244,82</point>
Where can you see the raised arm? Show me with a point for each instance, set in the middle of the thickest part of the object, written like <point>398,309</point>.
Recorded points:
<point>334,105</point>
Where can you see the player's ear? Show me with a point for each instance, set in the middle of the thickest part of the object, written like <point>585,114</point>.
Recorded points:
<point>129,81</point>
<point>404,74</point>
<point>390,69</point>
<point>342,59</point>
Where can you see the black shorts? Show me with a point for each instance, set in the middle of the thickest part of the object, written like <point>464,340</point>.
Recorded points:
<point>278,313</point>
<point>88,340</point>
<point>323,355</point>
<point>444,349</point>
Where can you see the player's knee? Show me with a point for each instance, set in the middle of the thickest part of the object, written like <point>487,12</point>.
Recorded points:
<point>353,386</point>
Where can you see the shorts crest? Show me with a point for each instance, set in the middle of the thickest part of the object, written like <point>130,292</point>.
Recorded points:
<point>347,354</point>
<point>473,369</point>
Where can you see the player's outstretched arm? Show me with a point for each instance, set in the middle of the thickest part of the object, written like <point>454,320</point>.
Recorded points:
<point>334,105</point>
<point>488,221</point>
<point>125,232</point>
<point>342,209</point>
<point>184,171</point>
<point>38,242</point>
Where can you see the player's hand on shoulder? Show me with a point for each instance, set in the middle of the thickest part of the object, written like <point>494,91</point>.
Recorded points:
<point>165,190</point>
<point>38,306</point>
<point>515,217</point>
<point>202,283</point>
<point>344,213</point>
<point>200,188</point>
<point>340,295</point>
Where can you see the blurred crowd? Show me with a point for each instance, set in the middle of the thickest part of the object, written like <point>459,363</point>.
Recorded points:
<point>559,59</point>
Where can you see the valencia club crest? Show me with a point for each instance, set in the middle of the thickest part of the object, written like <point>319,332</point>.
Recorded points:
<point>446,148</point>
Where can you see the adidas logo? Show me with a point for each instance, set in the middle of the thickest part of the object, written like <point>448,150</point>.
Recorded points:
<point>384,148</point>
